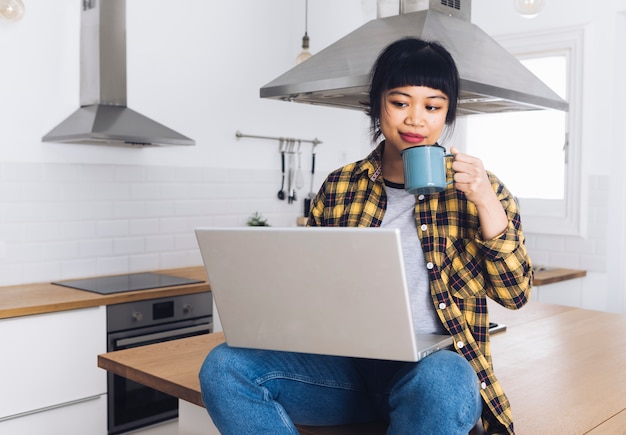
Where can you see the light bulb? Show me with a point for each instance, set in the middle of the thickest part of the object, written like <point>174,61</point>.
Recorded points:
<point>305,54</point>
<point>11,10</point>
<point>529,8</point>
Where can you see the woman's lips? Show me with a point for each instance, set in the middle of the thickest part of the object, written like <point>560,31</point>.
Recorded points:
<point>412,138</point>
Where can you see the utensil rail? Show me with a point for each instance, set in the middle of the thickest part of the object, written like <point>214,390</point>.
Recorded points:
<point>315,141</point>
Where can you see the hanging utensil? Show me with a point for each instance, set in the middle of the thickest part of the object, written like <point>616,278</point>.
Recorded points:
<point>311,193</point>
<point>289,171</point>
<point>281,192</point>
<point>292,172</point>
<point>299,176</point>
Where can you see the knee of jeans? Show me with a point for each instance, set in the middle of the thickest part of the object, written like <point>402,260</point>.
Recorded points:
<point>445,374</point>
<point>456,378</point>
<point>213,372</point>
<point>441,390</point>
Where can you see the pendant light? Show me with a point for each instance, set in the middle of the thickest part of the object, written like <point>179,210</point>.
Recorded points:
<point>305,54</point>
<point>529,8</point>
<point>11,10</point>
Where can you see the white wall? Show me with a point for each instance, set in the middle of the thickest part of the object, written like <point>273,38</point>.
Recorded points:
<point>600,250</point>
<point>77,210</point>
<point>196,66</point>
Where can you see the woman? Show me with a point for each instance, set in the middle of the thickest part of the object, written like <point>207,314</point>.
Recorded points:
<point>460,246</point>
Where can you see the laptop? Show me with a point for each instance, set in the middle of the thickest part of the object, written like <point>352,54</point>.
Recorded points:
<point>321,290</point>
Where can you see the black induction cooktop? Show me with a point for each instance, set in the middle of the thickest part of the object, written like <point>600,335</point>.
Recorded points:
<point>126,283</point>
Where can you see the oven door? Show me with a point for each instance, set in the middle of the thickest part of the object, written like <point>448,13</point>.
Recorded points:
<point>132,405</point>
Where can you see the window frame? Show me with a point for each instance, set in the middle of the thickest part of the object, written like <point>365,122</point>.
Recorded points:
<point>552,216</point>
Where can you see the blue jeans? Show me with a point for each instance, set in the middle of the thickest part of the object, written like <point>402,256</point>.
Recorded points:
<point>257,392</point>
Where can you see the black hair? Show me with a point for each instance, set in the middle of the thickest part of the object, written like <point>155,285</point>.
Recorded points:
<point>412,62</point>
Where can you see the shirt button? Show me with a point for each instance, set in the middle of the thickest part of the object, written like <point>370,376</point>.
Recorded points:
<point>421,197</point>
<point>442,306</point>
<point>460,344</point>
<point>429,265</point>
<point>483,385</point>
<point>424,227</point>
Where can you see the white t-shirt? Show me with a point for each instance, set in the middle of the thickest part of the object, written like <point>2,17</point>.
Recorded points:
<point>400,213</point>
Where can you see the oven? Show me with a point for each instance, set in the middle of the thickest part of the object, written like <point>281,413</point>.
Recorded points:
<point>131,324</point>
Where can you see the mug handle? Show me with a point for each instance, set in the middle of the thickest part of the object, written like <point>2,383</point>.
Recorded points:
<point>451,181</point>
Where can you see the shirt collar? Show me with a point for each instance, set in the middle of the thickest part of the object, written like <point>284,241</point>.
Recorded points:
<point>372,164</point>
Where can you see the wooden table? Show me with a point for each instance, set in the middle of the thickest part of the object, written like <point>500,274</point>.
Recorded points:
<point>563,368</point>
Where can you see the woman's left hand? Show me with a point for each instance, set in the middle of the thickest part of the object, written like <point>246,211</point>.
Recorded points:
<point>470,177</point>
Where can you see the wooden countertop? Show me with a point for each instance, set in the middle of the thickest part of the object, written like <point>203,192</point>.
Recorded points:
<point>551,275</point>
<point>24,300</point>
<point>41,298</point>
<point>561,367</point>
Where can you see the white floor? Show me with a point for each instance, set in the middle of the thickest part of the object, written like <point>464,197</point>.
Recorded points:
<point>166,428</point>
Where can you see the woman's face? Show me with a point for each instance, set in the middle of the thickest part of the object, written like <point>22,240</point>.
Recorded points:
<point>412,115</point>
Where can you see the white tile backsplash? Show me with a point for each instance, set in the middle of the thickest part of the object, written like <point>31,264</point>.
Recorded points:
<point>112,228</point>
<point>60,221</point>
<point>143,226</point>
<point>60,172</point>
<point>145,191</point>
<point>26,172</point>
<point>10,191</point>
<point>61,250</point>
<point>64,221</point>
<point>93,210</point>
<point>129,246</point>
<point>160,243</point>
<point>95,248</point>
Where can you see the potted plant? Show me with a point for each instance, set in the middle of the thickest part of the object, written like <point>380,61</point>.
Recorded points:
<point>256,220</point>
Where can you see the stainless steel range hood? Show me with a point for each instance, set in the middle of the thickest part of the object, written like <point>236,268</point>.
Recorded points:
<point>492,79</point>
<point>103,117</point>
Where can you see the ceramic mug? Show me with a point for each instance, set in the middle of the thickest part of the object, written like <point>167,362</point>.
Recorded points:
<point>425,169</point>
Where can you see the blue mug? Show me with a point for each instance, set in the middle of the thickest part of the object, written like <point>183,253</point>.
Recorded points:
<point>425,169</point>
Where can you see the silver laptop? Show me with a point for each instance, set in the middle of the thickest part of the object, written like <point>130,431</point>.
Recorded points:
<point>333,291</point>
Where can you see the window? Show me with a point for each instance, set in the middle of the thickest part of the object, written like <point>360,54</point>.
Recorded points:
<point>537,153</point>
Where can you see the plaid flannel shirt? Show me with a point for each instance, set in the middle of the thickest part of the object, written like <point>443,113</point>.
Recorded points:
<point>463,269</point>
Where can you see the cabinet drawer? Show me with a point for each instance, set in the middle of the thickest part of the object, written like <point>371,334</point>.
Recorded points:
<point>50,359</point>
<point>88,417</point>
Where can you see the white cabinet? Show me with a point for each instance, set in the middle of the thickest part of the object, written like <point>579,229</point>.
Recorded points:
<point>567,292</point>
<point>49,375</point>
<point>82,418</point>
<point>194,420</point>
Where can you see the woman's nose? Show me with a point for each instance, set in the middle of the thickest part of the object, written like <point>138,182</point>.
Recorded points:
<point>414,117</point>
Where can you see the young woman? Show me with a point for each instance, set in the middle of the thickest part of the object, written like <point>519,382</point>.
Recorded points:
<point>460,246</point>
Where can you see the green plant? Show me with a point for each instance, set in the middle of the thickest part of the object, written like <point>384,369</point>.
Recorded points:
<point>256,220</point>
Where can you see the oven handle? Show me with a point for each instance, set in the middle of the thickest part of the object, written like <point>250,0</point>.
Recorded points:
<point>124,342</point>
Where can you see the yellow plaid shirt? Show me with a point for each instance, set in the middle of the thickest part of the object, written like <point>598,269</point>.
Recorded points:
<point>463,269</point>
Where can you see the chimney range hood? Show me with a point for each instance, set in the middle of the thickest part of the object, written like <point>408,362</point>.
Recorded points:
<point>103,117</point>
<point>492,79</point>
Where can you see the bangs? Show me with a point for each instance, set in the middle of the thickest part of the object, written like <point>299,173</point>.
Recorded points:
<point>426,69</point>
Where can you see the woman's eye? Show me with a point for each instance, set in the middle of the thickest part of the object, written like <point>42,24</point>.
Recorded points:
<point>432,108</point>
<point>398,103</point>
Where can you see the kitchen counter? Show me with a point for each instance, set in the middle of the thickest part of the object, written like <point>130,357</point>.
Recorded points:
<point>41,298</point>
<point>548,351</point>
<point>551,275</point>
